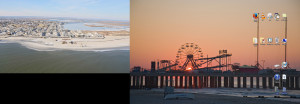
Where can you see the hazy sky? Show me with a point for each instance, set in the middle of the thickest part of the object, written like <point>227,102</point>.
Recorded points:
<point>160,27</point>
<point>103,9</point>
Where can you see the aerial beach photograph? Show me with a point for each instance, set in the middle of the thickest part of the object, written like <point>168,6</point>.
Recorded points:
<point>64,36</point>
<point>214,52</point>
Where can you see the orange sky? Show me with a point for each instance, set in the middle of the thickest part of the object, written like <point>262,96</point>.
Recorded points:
<point>160,27</point>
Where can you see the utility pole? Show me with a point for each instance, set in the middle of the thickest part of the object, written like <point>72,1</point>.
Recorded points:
<point>258,42</point>
<point>286,42</point>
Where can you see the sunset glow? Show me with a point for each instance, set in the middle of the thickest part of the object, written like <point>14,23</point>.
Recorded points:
<point>161,27</point>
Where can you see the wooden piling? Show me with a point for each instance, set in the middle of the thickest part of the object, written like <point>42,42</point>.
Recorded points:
<point>244,82</point>
<point>176,81</point>
<point>185,81</point>
<point>181,81</point>
<point>257,82</point>
<point>251,82</point>
<point>239,82</point>
<point>270,82</point>
<point>195,82</point>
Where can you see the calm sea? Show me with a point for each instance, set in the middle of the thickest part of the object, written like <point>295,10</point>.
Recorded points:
<point>15,58</point>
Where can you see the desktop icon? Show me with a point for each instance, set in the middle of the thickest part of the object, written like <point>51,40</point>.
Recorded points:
<point>284,64</point>
<point>276,40</point>
<point>269,16</point>
<point>284,91</point>
<point>263,16</point>
<point>284,40</point>
<point>283,76</point>
<point>262,40</point>
<point>270,40</point>
<point>255,15</point>
<point>276,76</point>
<point>255,40</point>
<point>276,16</point>
<point>283,15</point>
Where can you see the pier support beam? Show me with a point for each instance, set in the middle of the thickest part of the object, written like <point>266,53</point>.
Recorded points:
<point>138,82</point>
<point>211,82</point>
<point>225,82</point>
<point>292,81</point>
<point>257,82</point>
<point>205,82</point>
<point>133,81</point>
<point>181,81</point>
<point>161,81</point>
<point>167,81</point>
<point>231,82</point>
<point>244,82</point>
<point>251,82</point>
<point>297,83</point>
<point>142,80</point>
<point>287,84</point>
<point>264,82</point>
<point>195,82</point>
<point>215,82</point>
<point>270,82</point>
<point>171,81</point>
<point>190,81</point>
<point>200,81</point>
<point>155,82</point>
<point>146,82</point>
<point>176,81</point>
<point>239,82</point>
<point>152,80</point>
<point>219,82</point>
<point>185,81</point>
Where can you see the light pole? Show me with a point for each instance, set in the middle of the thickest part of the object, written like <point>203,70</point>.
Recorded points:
<point>258,42</point>
<point>285,47</point>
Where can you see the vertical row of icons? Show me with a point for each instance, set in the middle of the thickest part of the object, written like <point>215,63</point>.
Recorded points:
<point>270,40</point>
<point>270,16</point>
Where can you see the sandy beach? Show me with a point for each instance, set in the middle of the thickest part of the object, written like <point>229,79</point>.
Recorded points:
<point>156,97</point>
<point>75,44</point>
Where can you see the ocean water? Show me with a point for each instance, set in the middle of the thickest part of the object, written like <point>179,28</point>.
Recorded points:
<point>15,58</point>
<point>81,26</point>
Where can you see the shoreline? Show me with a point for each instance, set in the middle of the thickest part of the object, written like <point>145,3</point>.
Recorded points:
<point>74,44</point>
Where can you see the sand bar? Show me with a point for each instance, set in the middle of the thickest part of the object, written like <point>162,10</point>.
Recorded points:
<point>75,44</point>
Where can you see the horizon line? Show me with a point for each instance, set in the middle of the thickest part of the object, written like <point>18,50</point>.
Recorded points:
<point>71,17</point>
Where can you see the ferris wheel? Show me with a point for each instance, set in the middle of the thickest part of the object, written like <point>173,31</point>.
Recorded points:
<point>186,55</point>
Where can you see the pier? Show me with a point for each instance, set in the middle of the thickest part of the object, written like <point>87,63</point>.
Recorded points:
<point>192,69</point>
<point>210,80</point>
